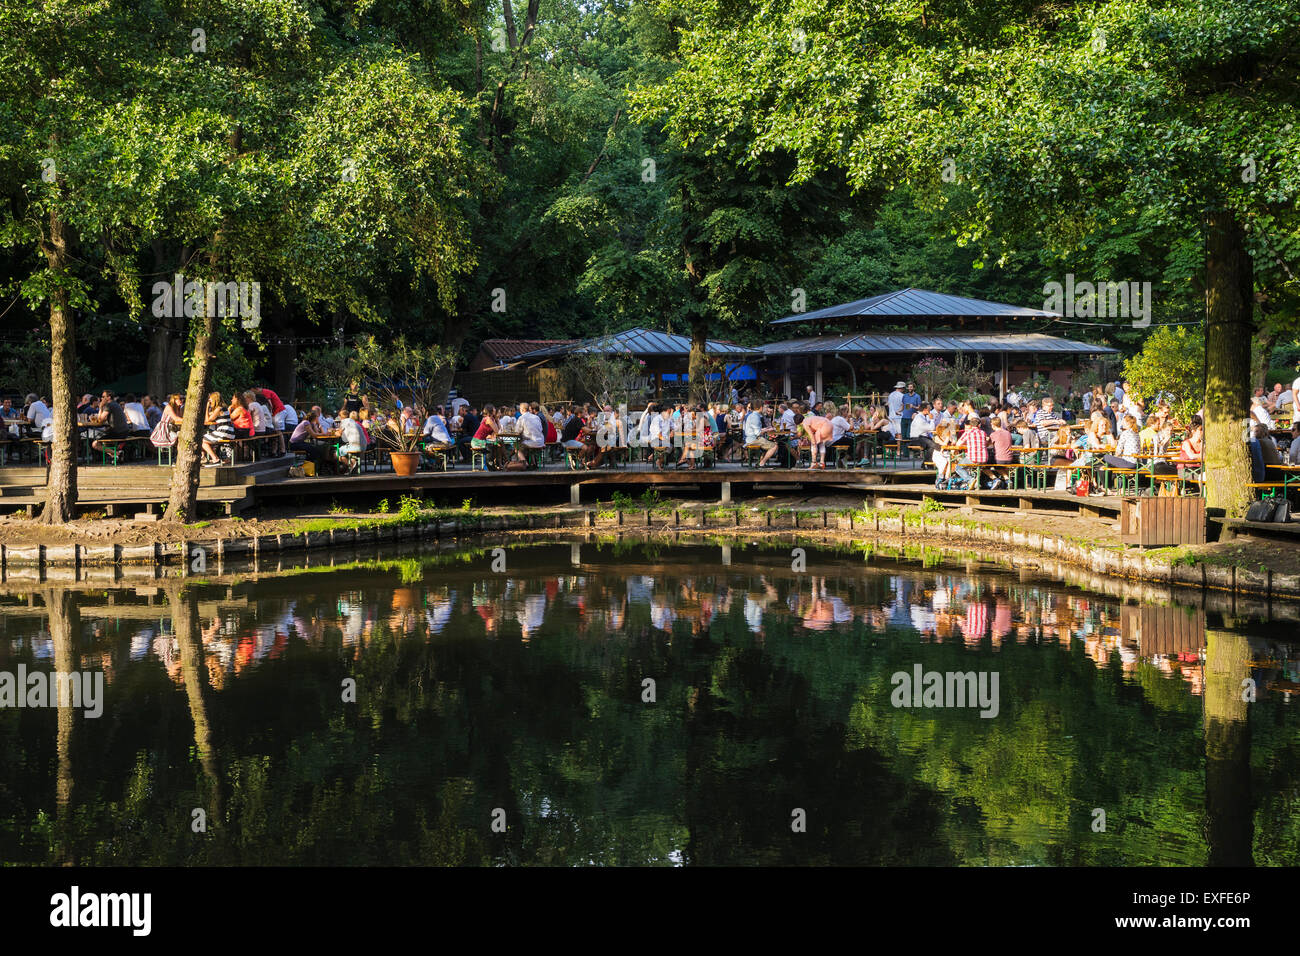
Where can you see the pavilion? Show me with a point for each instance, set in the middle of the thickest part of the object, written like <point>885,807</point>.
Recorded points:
<point>665,354</point>
<point>973,327</point>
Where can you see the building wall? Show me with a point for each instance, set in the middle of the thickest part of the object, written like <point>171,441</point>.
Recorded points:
<point>515,385</point>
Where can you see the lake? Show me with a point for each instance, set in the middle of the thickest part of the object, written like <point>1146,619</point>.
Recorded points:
<point>571,702</point>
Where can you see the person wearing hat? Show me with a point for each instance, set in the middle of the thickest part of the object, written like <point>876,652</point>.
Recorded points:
<point>895,402</point>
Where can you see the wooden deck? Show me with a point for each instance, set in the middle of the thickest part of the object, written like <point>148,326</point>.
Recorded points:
<point>129,488</point>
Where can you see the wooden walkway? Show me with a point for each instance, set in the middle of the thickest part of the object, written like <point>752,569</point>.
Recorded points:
<point>144,487</point>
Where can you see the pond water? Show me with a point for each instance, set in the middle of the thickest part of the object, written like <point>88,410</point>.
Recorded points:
<point>643,703</point>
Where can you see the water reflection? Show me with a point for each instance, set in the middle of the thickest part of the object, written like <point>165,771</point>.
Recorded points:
<point>525,691</point>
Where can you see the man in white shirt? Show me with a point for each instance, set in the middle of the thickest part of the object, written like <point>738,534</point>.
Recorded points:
<point>812,397</point>
<point>787,416</point>
<point>135,415</point>
<point>839,425</point>
<point>325,423</point>
<point>756,434</point>
<point>530,427</point>
<point>1295,394</point>
<point>37,411</point>
<point>286,419</point>
<point>895,403</point>
<point>435,427</point>
<point>1260,412</point>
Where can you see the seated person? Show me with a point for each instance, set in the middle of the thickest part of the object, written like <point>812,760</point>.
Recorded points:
<point>301,440</point>
<point>113,418</point>
<point>352,441</point>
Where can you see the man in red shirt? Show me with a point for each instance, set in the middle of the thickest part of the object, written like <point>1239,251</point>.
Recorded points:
<point>277,406</point>
<point>976,445</point>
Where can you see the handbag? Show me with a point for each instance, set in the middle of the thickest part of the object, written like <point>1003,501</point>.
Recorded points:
<point>1282,511</point>
<point>1083,487</point>
<point>162,436</point>
<point>1260,511</point>
<point>1062,480</point>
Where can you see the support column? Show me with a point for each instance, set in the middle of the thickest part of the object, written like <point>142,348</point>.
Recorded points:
<point>574,494</point>
<point>817,381</point>
<point>726,492</point>
<point>785,377</point>
<point>1002,383</point>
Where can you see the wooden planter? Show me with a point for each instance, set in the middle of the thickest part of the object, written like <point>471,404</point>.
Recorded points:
<point>1156,522</point>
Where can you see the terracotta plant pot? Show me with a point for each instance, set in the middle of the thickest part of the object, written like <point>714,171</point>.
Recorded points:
<point>405,462</point>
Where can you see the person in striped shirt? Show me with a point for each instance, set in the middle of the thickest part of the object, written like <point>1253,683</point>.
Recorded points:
<point>976,448</point>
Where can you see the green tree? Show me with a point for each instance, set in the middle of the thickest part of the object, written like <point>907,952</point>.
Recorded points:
<point>1057,123</point>
<point>1171,365</point>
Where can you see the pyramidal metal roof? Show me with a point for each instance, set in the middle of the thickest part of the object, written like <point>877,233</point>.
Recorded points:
<point>639,341</point>
<point>857,343</point>
<point>919,304</point>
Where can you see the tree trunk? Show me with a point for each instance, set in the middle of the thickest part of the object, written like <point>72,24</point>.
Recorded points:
<point>65,626</point>
<point>698,367</point>
<point>284,357</point>
<point>1229,817</point>
<point>166,354</point>
<point>61,484</point>
<point>1266,339</point>
<point>1229,300</point>
<point>194,670</point>
<point>183,503</point>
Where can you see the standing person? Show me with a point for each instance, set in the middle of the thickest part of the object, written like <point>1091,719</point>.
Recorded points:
<point>819,431</point>
<point>274,404</point>
<point>911,405</point>
<point>811,398</point>
<point>354,400</point>
<point>895,404</point>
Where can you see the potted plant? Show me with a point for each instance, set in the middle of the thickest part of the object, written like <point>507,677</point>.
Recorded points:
<point>400,374</point>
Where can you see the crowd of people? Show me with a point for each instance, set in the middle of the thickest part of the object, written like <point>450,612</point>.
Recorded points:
<point>966,442</point>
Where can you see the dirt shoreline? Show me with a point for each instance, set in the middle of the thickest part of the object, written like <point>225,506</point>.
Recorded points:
<point>29,549</point>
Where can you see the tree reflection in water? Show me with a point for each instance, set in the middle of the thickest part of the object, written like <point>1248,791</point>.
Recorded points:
<point>523,692</point>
